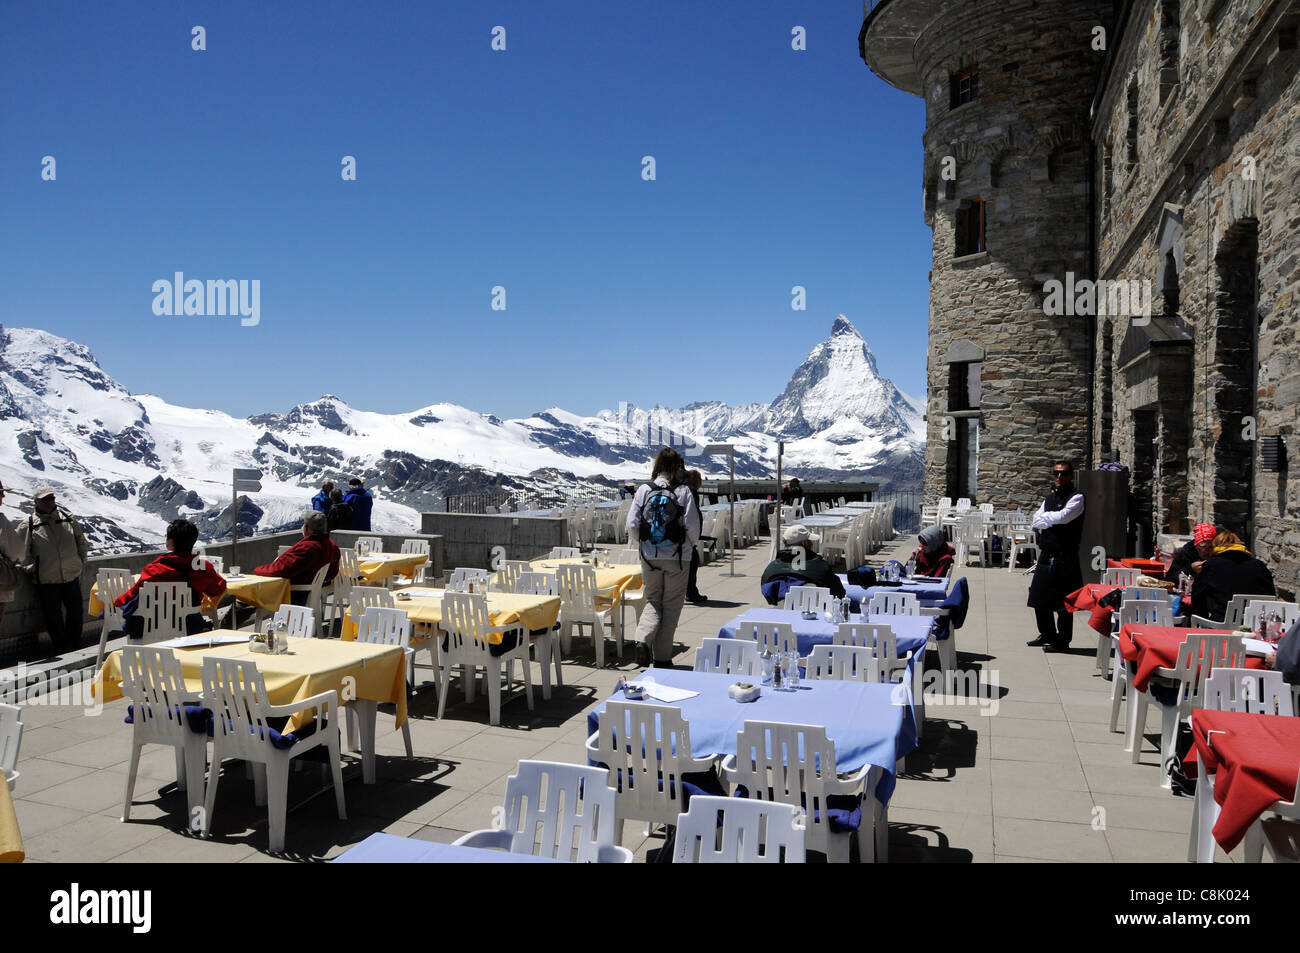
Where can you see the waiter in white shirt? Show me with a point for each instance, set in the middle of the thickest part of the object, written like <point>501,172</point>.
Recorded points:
<point>1059,524</point>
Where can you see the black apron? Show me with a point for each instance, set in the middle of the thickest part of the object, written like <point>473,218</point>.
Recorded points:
<point>1058,573</point>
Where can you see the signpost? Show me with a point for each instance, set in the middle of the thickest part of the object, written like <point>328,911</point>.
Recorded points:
<point>243,481</point>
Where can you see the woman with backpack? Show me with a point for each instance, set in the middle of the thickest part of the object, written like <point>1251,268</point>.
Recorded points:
<point>664,518</point>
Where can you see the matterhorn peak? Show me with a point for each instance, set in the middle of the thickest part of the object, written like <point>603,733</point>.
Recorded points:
<point>843,326</point>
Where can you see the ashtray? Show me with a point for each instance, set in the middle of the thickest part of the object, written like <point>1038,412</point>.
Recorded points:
<point>403,596</point>
<point>744,691</point>
<point>810,614</point>
<point>633,691</point>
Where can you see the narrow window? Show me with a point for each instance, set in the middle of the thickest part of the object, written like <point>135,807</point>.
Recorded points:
<point>1170,52</point>
<point>1133,125</point>
<point>964,385</point>
<point>970,228</point>
<point>965,87</point>
<point>1107,178</point>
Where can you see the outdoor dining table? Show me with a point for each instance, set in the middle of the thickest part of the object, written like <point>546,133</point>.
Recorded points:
<point>928,593</point>
<point>1153,647</point>
<point>363,674</point>
<point>1254,758</point>
<point>869,724</point>
<point>11,839</point>
<point>266,593</point>
<point>424,605</point>
<point>1088,599</point>
<point>620,577</point>
<point>376,567</point>
<point>820,522</point>
<point>912,631</point>
<point>390,849</point>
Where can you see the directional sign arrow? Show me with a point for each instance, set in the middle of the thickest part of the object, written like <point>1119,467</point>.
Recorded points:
<point>247,474</point>
<point>247,486</point>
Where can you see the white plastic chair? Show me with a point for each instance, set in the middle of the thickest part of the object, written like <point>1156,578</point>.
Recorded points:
<point>417,547</point>
<point>1287,610</point>
<point>164,607</point>
<point>893,603</point>
<point>843,663</point>
<point>236,693</point>
<point>381,626</point>
<point>795,764</point>
<point>1233,689</point>
<point>1120,577</point>
<point>465,619</point>
<point>582,604</point>
<point>647,749</point>
<point>547,646</point>
<point>808,599</point>
<point>561,811</point>
<point>110,583</point>
<point>773,636</point>
<point>300,621</point>
<point>368,544</point>
<point>155,684</point>
<point>11,737</point>
<point>510,571</point>
<point>564,552</point>
<point>463,577</point>
<point>340,593</point>
<point>625,557</point>
<point>313,592</point>
<point>1131,612</point>
<point>728,656</point>
<point>752,832</point>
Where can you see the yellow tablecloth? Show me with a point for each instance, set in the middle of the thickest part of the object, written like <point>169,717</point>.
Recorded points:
<point>504,608</point>
<point>379,566</point>
<point>11,840</point>
<point>607,577</point>
<point>355,670</point>
<point>264,592</point>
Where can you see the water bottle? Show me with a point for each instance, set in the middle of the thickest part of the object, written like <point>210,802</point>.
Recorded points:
<point>766,662</point>
<point>1274,628</point>
<point>836,612</point>
<point>792,669</point>
<point>281,637</point>
<point>270,636</point>
<point>911,567</point>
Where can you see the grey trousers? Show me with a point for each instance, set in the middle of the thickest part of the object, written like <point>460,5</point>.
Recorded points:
<point>665,593</point>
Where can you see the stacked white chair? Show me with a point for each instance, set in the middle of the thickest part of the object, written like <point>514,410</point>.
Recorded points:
<point>770,636</point>
<point>893,602</point>
<point>564,552</point>
<point>583,605</point>
<point>417,547</point>
<point>365,545</point>
<point>466,621</point>
<point>509,573</point>
<point>844,663</point>
<point>560,811</point>
<point>462,578</point>
<point>11,737</point>
<point>236,693</point>
<point>299,621</point>
<point>381,626</point>
<point>750,832</point>
<point>314,592</point>
<point>808,599</point>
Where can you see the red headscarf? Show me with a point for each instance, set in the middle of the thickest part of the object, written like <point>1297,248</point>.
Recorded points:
<point>1203,533</point>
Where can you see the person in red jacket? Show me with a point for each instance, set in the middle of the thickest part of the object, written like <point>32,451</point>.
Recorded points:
<point>301,561</point>
<point>178,565</point>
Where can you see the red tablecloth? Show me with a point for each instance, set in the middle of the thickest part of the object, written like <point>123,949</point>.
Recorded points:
<point>1150,567</point>
<point>1088,599</point>
<point>1254,761</point>
<point>1156,646</point>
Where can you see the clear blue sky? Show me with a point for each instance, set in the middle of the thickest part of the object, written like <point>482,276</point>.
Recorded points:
<point>474,168</point>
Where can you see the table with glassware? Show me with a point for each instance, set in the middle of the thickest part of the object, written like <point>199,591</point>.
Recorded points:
<point>378,567</point>
<point>869,723</point>
<point>930,593</point>
<point>618,577</point>
<point>423,605</point>
<point>363,674</point>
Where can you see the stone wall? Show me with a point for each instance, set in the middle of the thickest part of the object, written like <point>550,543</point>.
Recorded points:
<point>1021,146</point>
<point>468,538</point>
<point>1212,194</point>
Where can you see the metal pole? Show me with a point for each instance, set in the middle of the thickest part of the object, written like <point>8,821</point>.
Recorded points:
<point>731,459</point>
<point>234,523</point>
<point>780,449</point>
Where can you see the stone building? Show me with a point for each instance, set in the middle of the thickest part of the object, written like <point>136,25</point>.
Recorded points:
<point>1116,249</point>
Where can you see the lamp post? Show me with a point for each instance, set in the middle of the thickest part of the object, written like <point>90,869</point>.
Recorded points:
<point>714,449</point>
<point>776,538</point>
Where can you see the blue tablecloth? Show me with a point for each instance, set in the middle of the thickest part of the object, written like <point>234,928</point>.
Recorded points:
<point>390,849</point>
<point>929,593</point>
<point>869,724</point>
<point>912,631</point>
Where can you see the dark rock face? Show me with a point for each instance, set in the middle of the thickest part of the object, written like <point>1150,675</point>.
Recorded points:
<point>216,524</point>
<point>269,439</point>
<point>27,443</point>
<point>426,418</point>
<point>318,456</point>
<point>166,497</point>
<point>134,445</point>
<point>118,489</point>
<point>9,408</point>
<point>322,412</point>
<point>103,536</point>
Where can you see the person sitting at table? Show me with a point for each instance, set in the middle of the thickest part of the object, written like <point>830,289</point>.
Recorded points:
<point>798,564</point>
<point>178,564</point>
<point>340,514</point>
<point>301,561</point>
<point>1190,557</point>
<point>934,556</point>
<point>1232,570</point>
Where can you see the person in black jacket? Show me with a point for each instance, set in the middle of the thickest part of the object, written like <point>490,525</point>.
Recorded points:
<point>1190,556</point>
<point>695,479</point>
<point>1231,571</point>
<point>340,515</point>
<point>799,562</point>
<point>1059,524</point>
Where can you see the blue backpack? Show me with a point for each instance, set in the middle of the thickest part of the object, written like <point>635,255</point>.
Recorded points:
<point>662,518</point>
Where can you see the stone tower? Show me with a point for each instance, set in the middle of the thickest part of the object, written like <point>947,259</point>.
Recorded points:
<point>1007,86</point>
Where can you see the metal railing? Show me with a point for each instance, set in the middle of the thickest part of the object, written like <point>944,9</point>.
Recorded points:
<point>907,509</point>
<point>492,501</point>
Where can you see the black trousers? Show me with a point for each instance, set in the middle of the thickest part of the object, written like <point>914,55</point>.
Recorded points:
<point>61,605</point>
<point>1055,625</point>
<point>692,592</point>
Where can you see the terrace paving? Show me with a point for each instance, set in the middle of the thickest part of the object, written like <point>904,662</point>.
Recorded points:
<point>1041,780</point>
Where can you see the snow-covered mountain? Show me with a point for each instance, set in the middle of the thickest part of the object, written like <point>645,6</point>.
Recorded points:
<point>129,463</point>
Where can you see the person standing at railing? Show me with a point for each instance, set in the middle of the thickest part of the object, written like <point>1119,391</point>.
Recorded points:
<point>695,480</point>
<point>55,553</point>
<point>359,498</point>
<point>11,553</point>
<point>321,502</point>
